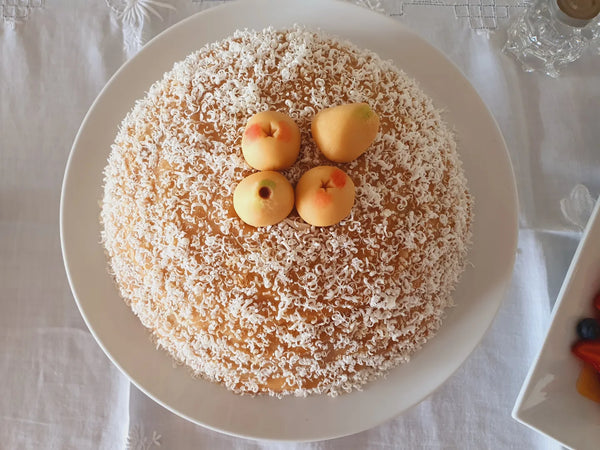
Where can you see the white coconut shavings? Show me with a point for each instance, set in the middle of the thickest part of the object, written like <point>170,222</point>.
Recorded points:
<point>290,308</point>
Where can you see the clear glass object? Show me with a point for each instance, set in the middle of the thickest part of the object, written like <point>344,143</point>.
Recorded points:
<point>553,33</point>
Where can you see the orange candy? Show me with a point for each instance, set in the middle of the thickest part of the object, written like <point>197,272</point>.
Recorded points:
<point>263,198</point>
<point>588,383</point>
<point>271,141</point>
<point>324,196</point>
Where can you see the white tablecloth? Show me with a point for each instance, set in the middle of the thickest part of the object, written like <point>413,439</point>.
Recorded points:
<point>59,391</point>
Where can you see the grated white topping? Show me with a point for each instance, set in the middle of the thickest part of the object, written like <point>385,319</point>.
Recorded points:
<point>290,308</point>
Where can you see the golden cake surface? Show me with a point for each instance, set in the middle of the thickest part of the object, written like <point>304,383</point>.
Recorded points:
<point>289,308</point>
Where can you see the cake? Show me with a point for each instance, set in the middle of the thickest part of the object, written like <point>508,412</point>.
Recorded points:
<point>289,308</point>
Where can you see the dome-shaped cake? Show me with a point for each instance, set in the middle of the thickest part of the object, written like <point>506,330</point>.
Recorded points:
<point>289,308</point>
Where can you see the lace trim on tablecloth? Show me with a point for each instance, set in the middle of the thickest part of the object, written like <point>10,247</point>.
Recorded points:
<point>481,15</point>
<point>14,11</point>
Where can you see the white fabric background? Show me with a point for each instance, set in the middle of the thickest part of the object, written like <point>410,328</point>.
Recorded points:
<point>59,391</point>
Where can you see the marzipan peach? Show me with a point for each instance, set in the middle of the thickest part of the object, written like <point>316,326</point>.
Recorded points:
<point>345,132</point>
<point>263,198</point>
<point>324,196</point>
<point>271,141</point>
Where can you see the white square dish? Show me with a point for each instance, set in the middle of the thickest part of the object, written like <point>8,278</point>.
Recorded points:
<point>549,401</point>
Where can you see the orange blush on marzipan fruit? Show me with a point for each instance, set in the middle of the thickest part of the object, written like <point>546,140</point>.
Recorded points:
<point>271,141</point>
<point>324,196</point>
<point>291,308</point>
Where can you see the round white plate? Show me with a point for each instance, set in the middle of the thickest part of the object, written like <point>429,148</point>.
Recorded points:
<point>478,295</point>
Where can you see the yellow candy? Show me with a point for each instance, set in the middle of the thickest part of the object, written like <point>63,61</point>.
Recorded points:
<point>263,198</point>
<point>324,196</point>
<point>345,132</point>
<point>271,141</point>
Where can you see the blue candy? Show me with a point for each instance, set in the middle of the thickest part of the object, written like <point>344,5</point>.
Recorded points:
<point>588,329</point>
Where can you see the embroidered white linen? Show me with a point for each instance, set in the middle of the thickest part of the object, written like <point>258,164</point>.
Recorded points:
<point>60,391</point>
